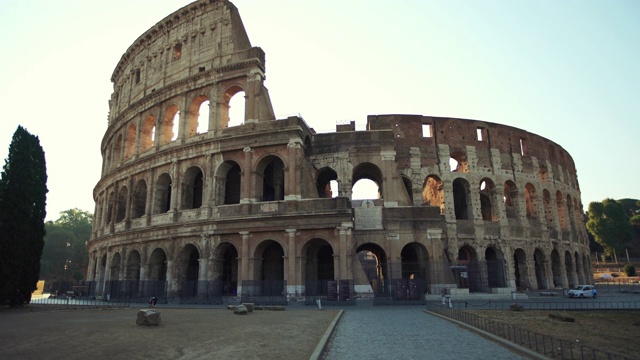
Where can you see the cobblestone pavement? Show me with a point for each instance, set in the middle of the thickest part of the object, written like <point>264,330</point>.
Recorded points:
<point>387,332</point>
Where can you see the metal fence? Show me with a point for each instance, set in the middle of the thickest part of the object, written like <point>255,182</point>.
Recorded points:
<point>330,292</point>
<point>264,292</point>
<point>546,345</point>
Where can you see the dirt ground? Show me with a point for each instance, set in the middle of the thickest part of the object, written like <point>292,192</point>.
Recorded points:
<point>616,331</point>
<point>33,333</point>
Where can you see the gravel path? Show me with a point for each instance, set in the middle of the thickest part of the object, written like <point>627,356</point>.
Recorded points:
<point>383,332</point>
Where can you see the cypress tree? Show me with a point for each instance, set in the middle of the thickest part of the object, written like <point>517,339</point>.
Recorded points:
<point>23,193</point>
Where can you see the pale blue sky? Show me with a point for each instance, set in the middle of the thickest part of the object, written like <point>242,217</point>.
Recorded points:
<point>566,70</point>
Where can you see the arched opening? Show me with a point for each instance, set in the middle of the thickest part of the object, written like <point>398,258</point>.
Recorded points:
<point>548,209</point>
<point>114,274</point>
<point>232,107</point>
<point>130,141</point>
<point>228,183</point>
<point>373,261</point>
<point>520,269</point>
<point>562,211</point>
<point>408,188</point>
<point>193,188</point>
<point>461,199</point>
<point>326,183</point>
<point>556,269</point>
<point>570,214</point>
<point>570,270</point>
<point>188,271</point>
<point>139,200</point>
<point>539,261</point>
<point>458,161</point>
<point>158,265</point>
<point>148,133</point>
<point>579,270</point>
<point>228,256</point>
<point>272,170</point>
<point>415,271</point>
<point>511,199</point>
<point>162,201</point>
<point>531,201</point>
<point>117,150</point>
<point>170,124</point>
<point>133,266</point>
<point>198,119</point>
<point>495,268</point>
<point>466,271</point>
<point>488,200</point>
<point>111,202</point>
<point>367,182</point>
<point>272,265</point>
<point>121,208</point>
<point>319,270</point>
<point>433,193</point>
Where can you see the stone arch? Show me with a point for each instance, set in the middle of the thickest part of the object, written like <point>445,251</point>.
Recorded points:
<point>229,93</point>
<point>193,188</point>
<point>111,203</point>
<point>408,187</point>
<point>511,199</point>
<point>462,199</point>
<point>269,255</point>
<point>271,179</point>
<point>488,200</point>
<point>228,183</point>
<point>531,201</point>
<point>466,271</point>
<point>139,200</point>
<point>195,117</point>
<point>324,179</point>
<point>433,192</point>
<point>188,270</point>
<point>162,199</point>
<point>158,265</point>
<point>103,270</point>
<point>415,264</point>
<point>556,269</point>
<point>368,171</point>
<point>226,269</point>
<point>460,161</point>
<point>130,141</point>
<point>147,133</point>
<point>168,121</point>
<point>570,214</point>
<point>132,271</point>
<point>521,270</point>
<point>494,259</point>
<point>540,261</point>
<point>319,267</point>
<point>114,272</point>
<point>373,260</point>
<point>570,270</point>
<point>121,207</point>
<point>117,150</point>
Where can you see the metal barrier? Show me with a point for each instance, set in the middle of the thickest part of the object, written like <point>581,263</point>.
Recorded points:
<point>264,292</point>
<point>543,344</point>
<point>545,305</point>
<point>330,292</point>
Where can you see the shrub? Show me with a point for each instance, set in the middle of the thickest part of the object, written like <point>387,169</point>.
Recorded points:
<point>630,270</point>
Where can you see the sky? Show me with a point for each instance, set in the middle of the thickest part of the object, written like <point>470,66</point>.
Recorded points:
<point>565,70</point>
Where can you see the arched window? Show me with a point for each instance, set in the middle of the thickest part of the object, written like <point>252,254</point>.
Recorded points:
<point>162,201</point>
<point>461,200</point>
<point>232,109</point>
<point>198,119</point>
<point>148,133</point>
<point>170,124</point>
<point>272,170</point>
<point>531,201</point>
<point>139,199</point>
<point>130,142</point>
<point>488,200</point>
<point>193,187</point>
<point>122,204</point>
<point>228,183</point>
<point>432,192</point>
<point>326,183</point>
<point>367,182</point>
<point>511,199</point>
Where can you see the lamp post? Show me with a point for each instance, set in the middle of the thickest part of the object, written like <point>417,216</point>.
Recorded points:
<point>66,265</point>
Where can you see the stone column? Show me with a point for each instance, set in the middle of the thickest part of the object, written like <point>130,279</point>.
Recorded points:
<point>171,286</point>
<point>344,238</point>
<point>244,260</point>
<point>292,185</point>
<point>292,282</point>
<point>247,192</point>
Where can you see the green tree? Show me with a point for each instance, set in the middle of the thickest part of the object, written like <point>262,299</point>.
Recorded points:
<point>66,244</point>
<point>23,194</point>
<point>609,225</point>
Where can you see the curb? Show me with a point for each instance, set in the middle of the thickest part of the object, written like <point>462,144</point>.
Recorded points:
<point>325,338</point>
<point>506,343</point>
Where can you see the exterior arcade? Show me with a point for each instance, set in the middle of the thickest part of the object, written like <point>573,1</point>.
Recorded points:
<point>198,205</point>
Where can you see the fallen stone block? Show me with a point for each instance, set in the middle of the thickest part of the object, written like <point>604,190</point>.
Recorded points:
<point>250,306</point>
<point>516,307</point>
<point>240,310</point>
<point>148,317</point>
<point>231,307</point>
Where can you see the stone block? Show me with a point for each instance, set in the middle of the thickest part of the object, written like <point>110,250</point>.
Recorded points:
<point>249,306</point>
<point>148,317</point>
<point>240,310</point>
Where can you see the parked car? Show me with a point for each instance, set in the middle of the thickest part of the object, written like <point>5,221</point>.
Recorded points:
<point>582,291</point>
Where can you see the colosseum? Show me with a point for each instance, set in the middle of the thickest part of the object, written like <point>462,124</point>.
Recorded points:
<point>193,205</point>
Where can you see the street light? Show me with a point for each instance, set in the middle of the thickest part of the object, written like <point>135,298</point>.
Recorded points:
<point>66,265</point>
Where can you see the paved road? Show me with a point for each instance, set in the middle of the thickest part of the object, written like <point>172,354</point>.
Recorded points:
<point>387,332</point>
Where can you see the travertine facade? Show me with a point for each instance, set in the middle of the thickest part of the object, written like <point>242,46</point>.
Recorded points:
<point>182,198</point>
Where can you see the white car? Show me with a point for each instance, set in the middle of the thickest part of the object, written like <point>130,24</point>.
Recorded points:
<point>583,291</point>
